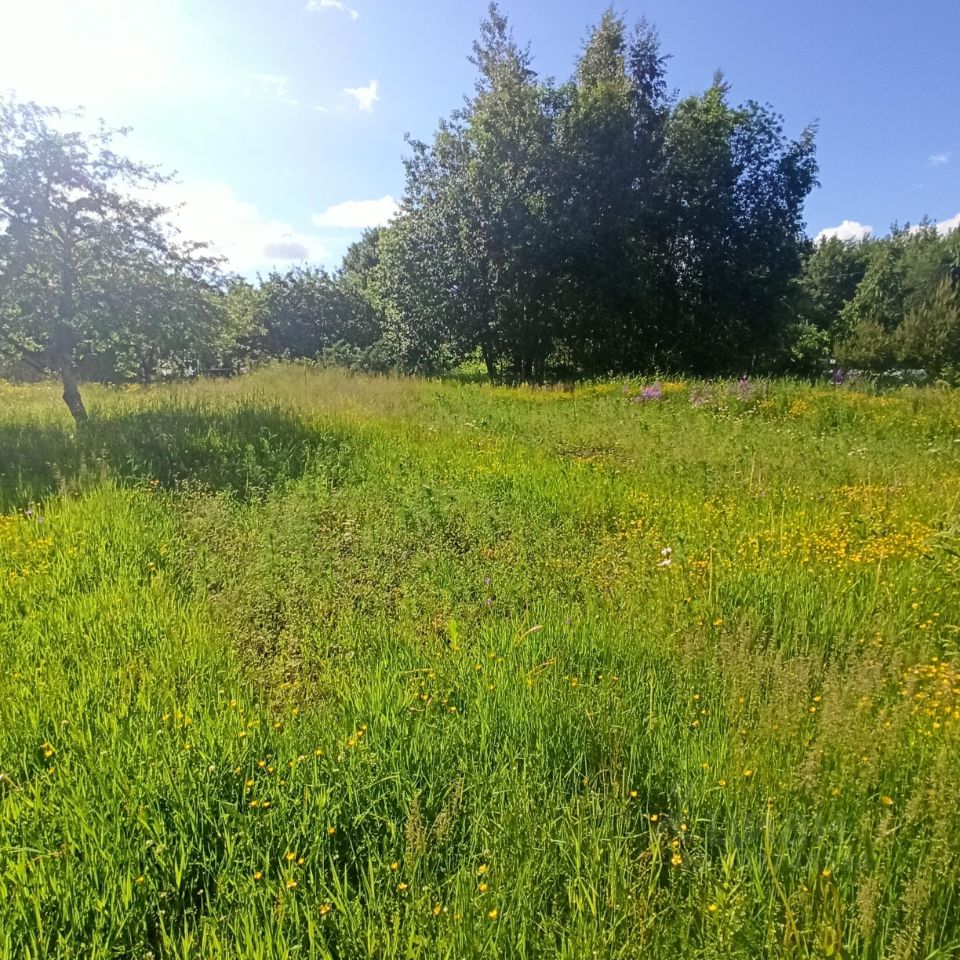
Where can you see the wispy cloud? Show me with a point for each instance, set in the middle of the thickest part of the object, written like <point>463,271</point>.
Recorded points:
<point>276,85</point>
<point>366,96</point>
<point>357,214</point>
<point>848,230</point>
<point>339,5</point>
<point>939,159</point>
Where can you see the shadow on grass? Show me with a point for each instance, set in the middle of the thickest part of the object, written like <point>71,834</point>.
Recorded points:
<point>245,451</point>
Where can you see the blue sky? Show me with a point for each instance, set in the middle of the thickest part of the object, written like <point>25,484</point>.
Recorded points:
<point>284,119</point>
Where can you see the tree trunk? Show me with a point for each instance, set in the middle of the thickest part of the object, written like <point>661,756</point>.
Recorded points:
<point>490,363</point>
<point>71,393</point>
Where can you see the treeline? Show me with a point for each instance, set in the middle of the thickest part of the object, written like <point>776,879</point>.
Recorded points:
<point>882,303</point>
<point>605,226</point>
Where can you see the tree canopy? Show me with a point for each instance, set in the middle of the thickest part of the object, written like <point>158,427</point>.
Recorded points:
<point>90,268</point>
<point>600,224</point>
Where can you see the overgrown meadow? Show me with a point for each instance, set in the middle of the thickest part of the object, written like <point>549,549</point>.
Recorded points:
<point>311,665</point>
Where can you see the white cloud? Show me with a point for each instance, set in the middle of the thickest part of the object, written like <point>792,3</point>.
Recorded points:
<point>948,226</point>
<point>333,5</point>
<point>275,85</point>
<point>939,159</point>
<point>365,96</point>
<point>210,211</point>
<point>848,230</point>
<point>357,214</point>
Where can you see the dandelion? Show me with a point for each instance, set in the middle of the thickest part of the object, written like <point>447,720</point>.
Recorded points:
<point>748,772</point>
<point>483,887</point>
<point>482,868</point>
<point>493,914</point>
<point>712,908</point>
<point>257,874</point>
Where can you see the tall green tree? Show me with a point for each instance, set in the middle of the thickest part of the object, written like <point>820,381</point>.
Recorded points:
<point>510,224</point>
<point>89,266</point>
<point>610,148</point>
<point>736,187</point>
<point>470,263</point>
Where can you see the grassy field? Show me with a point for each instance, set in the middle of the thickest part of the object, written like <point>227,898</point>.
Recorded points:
<point>311,665</point>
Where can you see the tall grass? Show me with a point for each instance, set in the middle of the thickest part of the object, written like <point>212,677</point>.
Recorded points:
<point>313,665</point>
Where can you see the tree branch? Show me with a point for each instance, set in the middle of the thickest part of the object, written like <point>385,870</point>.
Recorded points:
<point>27,356</point>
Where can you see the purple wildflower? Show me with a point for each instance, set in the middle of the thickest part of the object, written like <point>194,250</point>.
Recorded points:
<point>653,392</point>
